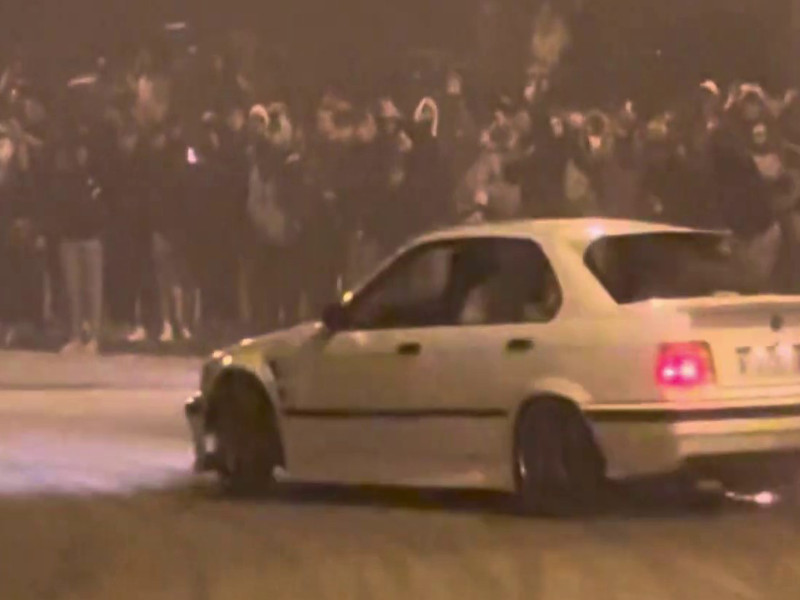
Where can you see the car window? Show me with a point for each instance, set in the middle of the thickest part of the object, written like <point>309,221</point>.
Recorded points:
<point>409,293</point>
<point>464,282</point>
<point>639,267</point>
<point>511,282</point>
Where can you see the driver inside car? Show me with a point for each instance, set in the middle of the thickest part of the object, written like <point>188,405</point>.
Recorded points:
<point>506,296</point>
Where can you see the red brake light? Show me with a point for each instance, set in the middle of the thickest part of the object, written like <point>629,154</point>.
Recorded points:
<point>684,365</point>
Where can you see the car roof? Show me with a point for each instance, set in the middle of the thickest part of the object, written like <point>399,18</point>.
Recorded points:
<point>570,230</point>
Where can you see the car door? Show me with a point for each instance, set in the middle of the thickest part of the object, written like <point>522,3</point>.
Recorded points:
<point>348,408</point>
<point>474,371</point>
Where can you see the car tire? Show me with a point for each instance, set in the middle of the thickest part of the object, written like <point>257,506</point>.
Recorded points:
<point>558,468</point>
<point>247,443</point>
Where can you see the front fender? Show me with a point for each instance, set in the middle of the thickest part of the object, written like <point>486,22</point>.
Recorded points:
<point>252,362</point>
<point>201,409</point>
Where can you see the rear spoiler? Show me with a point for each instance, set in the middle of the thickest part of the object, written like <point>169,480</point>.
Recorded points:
<point>737,304</point>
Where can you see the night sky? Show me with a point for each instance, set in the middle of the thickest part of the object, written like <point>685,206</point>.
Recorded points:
<point>635,44</point>
<point>55,33</point>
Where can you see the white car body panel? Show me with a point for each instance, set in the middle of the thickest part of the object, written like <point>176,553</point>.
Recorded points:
<point>351,410</point>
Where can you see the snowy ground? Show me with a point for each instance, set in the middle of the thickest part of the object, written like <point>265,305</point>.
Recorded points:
<point>97,503</point>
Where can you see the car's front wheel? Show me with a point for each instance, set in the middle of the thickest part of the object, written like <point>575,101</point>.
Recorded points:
<point>247,444</point>
<point>558,468</point>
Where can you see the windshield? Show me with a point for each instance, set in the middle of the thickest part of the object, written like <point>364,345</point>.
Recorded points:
<point>639,267</point>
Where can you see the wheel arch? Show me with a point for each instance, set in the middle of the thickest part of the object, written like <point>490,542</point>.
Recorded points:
<point>565,402</point>
<point>252,382</point>
<point>552,389</point>
<point>559,387</point>
<point>539,398</point>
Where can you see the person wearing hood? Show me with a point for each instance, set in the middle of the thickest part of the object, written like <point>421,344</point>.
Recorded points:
<point>609,169</point>
<point>540,165</point>
<point>129,266</point>
<point>502,135</point>
<point>233,172</point>
<point>628,162</point>
<point>224,81</point>
<point>171,222</point>
<point>666,196</point>
<point>22,246</point>
<point>427,192</point>
<point>696,131</point>
<point>781,180</point>
<point>274,223</point>
<point>708,105</point>
<point>355,198</point>
<point>326,224</point>
<point>389,177</point>
<point>457,130</point>
<point>210,199</point>
<point>490,189</point>
<point>786,268</point>
<point>743,165</point>
<point>754,184</point>
<point>334,139</point>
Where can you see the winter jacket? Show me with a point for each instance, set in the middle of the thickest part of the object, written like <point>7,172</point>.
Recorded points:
<point>234,172</point>
<point>540,170</point>
<point>273,207</point>
<point>459,135</point>
<point>127,193</point>
<point>743,195</point>
<point>614,179</point>
<point>166,173</point>
<point>485,189</point>
<point>20,213</point>
<point>388,178</point>
<point>78,210</point>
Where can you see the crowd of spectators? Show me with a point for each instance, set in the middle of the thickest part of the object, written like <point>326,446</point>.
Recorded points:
<point>145,202</point>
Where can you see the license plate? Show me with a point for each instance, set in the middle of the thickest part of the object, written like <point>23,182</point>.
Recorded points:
<point>769,361</point>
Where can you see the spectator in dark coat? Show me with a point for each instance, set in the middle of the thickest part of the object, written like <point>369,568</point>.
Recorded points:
<point>274,221</point>
<point>457,131</point>
<point>755,186</point>
<point>388,170</point>
<point>78,214</point>
<point>743,196</point>
<point>540,166</point>
<point>427,194</point>
<point>21,246</point>
<point>129,273</point>
<point>170,217</point>
<point>665,175</point>
<point>208,237</point>
<point>218,188</point>
<point>611,164</point>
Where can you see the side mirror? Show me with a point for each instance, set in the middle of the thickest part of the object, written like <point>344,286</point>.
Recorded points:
<point>334,317</point>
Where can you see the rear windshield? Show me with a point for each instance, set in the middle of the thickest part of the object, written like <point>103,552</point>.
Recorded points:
<point>635,268</point>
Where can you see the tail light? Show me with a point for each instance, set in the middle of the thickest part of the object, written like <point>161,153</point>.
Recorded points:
<point>685,365</point>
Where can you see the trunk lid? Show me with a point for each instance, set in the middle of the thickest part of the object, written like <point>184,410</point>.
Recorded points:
<point>754,340</point>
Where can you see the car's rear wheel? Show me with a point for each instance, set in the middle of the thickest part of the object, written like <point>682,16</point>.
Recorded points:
<point>247,444</point>
<point>559,470</point>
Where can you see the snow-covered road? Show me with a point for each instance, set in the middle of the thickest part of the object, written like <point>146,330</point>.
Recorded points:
<point>97,503</point>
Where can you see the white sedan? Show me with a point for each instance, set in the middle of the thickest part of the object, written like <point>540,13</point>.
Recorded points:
<point>541,358</point>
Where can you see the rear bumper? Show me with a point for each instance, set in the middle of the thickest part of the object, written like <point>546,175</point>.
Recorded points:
<point>195,411</point>
<point>726,443</point>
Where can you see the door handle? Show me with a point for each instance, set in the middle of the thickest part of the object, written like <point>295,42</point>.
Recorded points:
<point>519,345</point>
<point>409,349</point>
